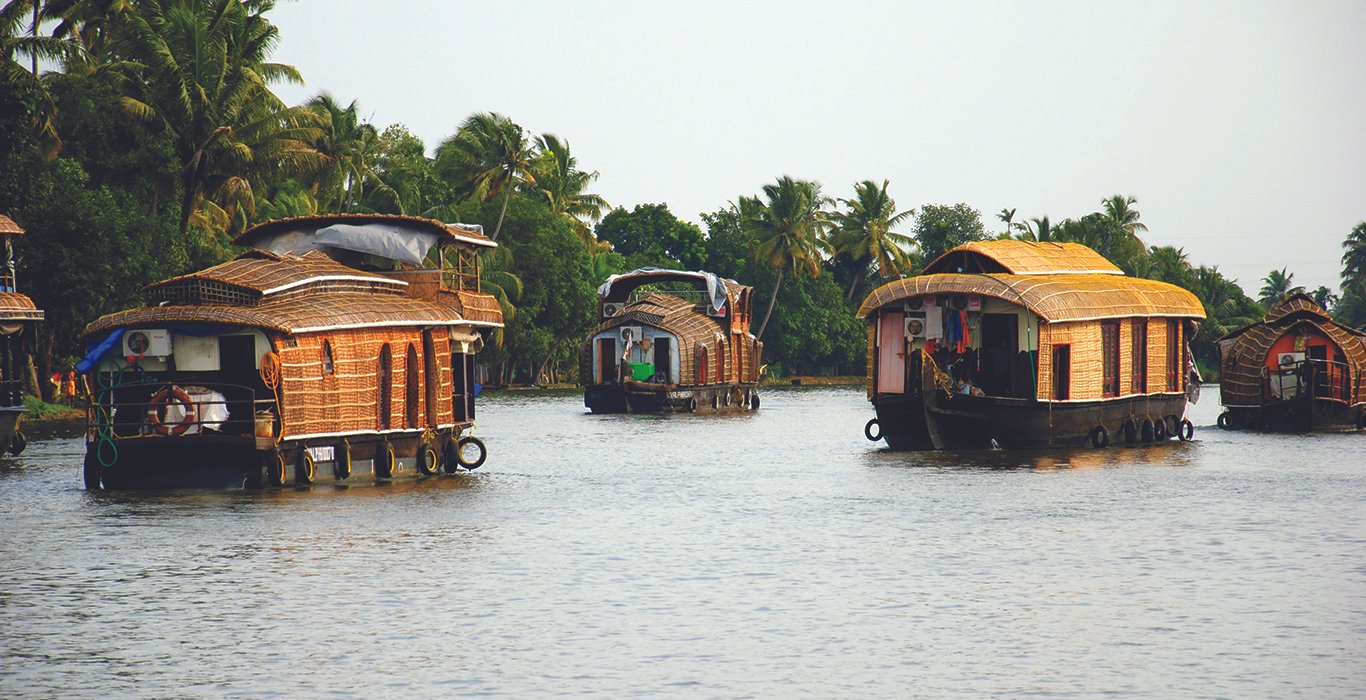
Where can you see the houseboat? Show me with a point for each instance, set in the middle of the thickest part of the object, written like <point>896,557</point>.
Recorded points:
<point>1015,344</point>
<point>671,341</point>
<point>336,349</point>
<point>1296,370</point>
<point>18,318</point>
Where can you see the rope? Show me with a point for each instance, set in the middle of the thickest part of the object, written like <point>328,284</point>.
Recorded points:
<point>271,376</point>
<point>101,407</point>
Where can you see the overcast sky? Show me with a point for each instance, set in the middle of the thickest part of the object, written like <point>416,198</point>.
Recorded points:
<point>1240,126</point>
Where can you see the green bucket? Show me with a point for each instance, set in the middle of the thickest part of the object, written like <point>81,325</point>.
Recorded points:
<point>641,371</point>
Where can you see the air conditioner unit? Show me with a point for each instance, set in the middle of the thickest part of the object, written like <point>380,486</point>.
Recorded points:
<point>1289,358</point>
<point>715,312</point>
<point>611,309</point>
<point>147,342</point>
<point>630,334</point>
<point>915,325</point>
<point>915,304</point>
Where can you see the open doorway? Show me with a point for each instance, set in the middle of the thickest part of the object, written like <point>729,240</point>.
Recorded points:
<point>1000,343</point>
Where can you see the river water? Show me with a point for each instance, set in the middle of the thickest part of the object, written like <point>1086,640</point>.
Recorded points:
<point>764,555</point>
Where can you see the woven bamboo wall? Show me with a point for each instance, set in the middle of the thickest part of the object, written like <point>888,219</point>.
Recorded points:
<point>348,400</point>
<point>1087,368</point>
<point>869,378</point>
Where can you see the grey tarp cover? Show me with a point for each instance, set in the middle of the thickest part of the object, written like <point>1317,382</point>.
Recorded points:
<point>393,241</point>
<point>715,288</point>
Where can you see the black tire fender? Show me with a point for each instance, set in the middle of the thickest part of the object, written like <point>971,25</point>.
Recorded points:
<point>427,459</point>
<point>341,468</point>
<point>17,443</point>
<point>1130,430</point>
<point>754,401</point>
<point>470,440</point>
<point>304,468</point>
<point>450,456</point>
<point>275,468</point>
<point>1226,421</point>
<point>384,460</point>
<point>1100,437</point>
<point>1160,430</point>
<point>868,430</point>
<point>1186,431</point>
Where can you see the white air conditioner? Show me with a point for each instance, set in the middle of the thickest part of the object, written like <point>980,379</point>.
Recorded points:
<point>611,309</point>
<point>1289,358</point>
<point>630,334</point>
<point>147,342</point>
<point>715,312</point>
<point>915,325</point>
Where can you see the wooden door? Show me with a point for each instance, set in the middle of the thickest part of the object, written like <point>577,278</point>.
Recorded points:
<point>891,353</point>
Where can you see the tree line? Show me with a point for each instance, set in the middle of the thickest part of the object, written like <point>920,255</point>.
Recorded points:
<point>138,138</point>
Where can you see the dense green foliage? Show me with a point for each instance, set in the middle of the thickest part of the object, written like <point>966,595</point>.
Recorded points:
<point>157,139</point>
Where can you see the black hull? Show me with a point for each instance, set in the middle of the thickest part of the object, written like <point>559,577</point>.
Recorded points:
<point>962,422</point>
<point>222,462</point>
<point>641,397</point>
<point>1296,416</point>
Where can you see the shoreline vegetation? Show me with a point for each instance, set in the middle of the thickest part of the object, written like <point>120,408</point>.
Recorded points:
<point>137,139</point>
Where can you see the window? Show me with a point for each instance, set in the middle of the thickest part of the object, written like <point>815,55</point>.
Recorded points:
<point>412,385</point>
<point>1173,356</point>
<point>1139,354</point>
<point>1109,355</point>
<point>1062,372</point>
<point>328,369</point>
<point>386,389</point>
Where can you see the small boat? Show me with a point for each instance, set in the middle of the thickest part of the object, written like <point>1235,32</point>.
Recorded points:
<point>18,318</point>
<point>337,349</point>
<point>1296,370</point>
<point>671,341</point>
<point>1015,344</point>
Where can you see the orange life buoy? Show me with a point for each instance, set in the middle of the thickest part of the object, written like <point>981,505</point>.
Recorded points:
<point>156,411</point>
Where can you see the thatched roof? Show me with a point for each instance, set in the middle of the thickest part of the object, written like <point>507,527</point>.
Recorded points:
<point>477,306</point>
<point>1054,298</point>
<point>17,307</point>
<point>256,274</point>
<point>444,231</point>
<point>293,314</point>
<point>1023,258</point>
<point>8,227</point>
<point>1244,351</point>
<point>683,318</point>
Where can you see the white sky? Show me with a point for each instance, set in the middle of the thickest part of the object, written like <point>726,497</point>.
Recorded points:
<point>1240,126</point>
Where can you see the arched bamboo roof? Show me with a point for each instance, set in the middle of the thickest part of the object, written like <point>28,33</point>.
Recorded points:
<point>1054,298</point>
<point>8,227</point>
<point>678,316</point>
<point>1023,258</point>
<point>18,307</point>
<point>1243,352</point>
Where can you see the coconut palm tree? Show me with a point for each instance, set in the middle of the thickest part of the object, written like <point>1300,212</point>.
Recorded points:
<point>16,44</point>
<point>1278,285</point>
<point>863,232</point>
<point>1007,216</point>
<point>1354,259</point>
<point>1169,264</point>
<point>351,147</point>
<point>489,155</point>
<point>198,67</point>
<point>789,228</point>
<point>1119,210</point>
<point>1037,230</point>
<point>558,178</point>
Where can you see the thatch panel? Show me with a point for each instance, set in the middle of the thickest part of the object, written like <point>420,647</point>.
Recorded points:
<point>1054,298</point>
<point>1026,258</point>
<point>1087,370</point>
<point>18,307</point>
<point>477,306</point>
<point>259,273</point>
<point>1297,304</point>
<point>348,399</point>
<point>1157,356</point>
<point>869,375</point>
<point>8,227</point>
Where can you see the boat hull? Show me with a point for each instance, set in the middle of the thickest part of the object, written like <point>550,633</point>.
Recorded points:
<point>1295,416</point>
<point>644,397</point>
<point>961,422</point>
<point>232,462</point>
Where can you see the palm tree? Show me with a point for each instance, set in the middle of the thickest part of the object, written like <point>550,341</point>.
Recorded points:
<point>198,67</point>
<point>1169,264</point>
<point>1354,259</point>
<point>1037,230</point>
<point>864,233</point>
<point>351,147</point>
<point>1007,216</point>
<point>1118,210</point>
<point>1324,297</point>
<point>558,178</point>
<point>789,229</point>
<point>487,156</point>
<point>1276,286</point>
<point>25,80</point>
